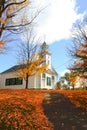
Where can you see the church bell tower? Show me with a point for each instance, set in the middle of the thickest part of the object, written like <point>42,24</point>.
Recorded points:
<point>47,54</point>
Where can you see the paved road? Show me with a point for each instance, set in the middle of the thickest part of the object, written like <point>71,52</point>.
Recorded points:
<point>63,114</point>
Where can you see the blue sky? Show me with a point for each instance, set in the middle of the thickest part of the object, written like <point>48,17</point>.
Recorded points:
<point>55,24</point>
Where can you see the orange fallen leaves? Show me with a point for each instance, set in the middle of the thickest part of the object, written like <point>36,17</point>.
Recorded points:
<point>22,109</point>
<point>77,97</point>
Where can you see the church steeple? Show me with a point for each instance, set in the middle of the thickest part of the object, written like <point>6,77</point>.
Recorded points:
<point>45,48</point>
<point>47,54</point>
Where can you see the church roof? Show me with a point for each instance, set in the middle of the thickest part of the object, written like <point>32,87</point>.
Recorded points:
<point>52,71</point>
<point>13,69</point>
<point>17,67</point>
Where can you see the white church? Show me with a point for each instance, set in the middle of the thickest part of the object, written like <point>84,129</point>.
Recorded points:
<point>48,80</point>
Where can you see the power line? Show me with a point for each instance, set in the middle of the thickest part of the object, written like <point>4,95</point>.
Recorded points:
<point>63,64</point>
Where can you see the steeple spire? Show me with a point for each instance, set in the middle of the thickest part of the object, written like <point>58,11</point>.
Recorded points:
<point>44,47</point>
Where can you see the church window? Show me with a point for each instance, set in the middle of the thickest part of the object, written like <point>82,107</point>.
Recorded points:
<point>13,81</point>
<point>53,77</point>
<point>49,81</point>
<point>43,75</point>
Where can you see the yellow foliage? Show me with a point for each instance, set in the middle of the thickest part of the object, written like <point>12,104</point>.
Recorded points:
<point>33,68</point>
<point>4,21</point>
<point>73,78</point>
<point>1,44</point>
<point>13,9</point>
<point>17,5</point>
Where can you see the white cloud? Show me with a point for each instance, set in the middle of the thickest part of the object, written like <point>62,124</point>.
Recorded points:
<point>65,71</point>
<point>57,19</point>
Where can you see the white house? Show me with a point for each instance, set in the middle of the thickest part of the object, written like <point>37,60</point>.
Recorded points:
<point>48,80</point>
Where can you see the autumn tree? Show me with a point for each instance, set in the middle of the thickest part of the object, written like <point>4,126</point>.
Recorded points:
<point>58,85</point>
<point>15,15</point>
<point>30,57</point>
<point>69,79</point>
<point>73,79</point>
<point>9,10</point>
<point>79,50</point>
<point>64,81</point>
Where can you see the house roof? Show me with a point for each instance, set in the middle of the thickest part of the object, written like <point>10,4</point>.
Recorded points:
<point>17,67</point>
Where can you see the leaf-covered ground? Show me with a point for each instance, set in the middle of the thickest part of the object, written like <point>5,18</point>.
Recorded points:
<point>77,97</point>
<point>23,109</point>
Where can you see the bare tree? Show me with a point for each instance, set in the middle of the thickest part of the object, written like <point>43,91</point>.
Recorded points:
<point>30,57</point>
<point>9,9</point>
<point>13,17</point>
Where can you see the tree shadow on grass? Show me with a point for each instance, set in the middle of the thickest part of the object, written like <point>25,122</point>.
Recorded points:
<point>63,114</point>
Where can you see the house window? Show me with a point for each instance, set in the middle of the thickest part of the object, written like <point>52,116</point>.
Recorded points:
<point>43,75</point>
<point>49,81</point>
<point>53,78</point>
<point>13,81</point>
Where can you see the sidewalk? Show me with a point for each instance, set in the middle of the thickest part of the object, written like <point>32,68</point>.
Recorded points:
<point>63,114</point>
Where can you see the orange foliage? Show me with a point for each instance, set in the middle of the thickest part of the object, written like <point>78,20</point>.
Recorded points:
<point>12,10</point>
<point>1,43</point>
<point>84,45</point>
<point>9,9</point>
<point>73,79</point>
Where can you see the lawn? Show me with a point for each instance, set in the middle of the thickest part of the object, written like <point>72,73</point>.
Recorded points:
<point>23,109</point>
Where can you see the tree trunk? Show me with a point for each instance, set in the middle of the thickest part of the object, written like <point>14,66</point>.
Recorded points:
<point>26,87</point>
<point>73,87</point>
<point>2,3</point>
